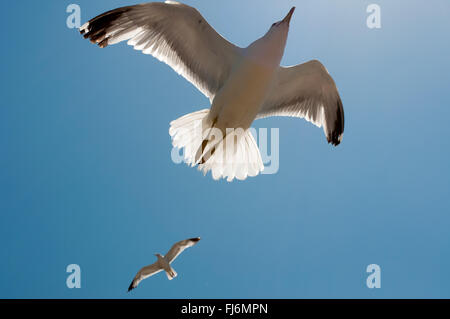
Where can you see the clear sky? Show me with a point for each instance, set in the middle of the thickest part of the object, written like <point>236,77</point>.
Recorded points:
<point>86,175</point>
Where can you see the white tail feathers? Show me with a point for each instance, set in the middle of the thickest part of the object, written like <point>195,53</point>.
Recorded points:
<point>171,274</point>
<point>234,156</point>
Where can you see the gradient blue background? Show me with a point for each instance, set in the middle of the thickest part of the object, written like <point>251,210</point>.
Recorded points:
<point>86,175</point>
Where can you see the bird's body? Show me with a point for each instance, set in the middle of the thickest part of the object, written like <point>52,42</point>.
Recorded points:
<point>248,86</point>
<point>243,84</point>
<point>237,104</point>
<point>163,262</point>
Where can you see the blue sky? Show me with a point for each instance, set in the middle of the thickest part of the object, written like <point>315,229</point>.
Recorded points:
<point>86,175</point>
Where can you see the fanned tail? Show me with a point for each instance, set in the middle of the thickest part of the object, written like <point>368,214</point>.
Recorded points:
<point>234,156</point>
<point>171,274</point>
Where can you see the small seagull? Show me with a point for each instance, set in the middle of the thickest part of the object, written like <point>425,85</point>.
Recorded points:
<point>242,84</point>
<point>163,262</point>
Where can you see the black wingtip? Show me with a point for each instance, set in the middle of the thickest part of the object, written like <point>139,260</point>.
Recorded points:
<point>97,28</point>
<point>335,140</point>
<point>196,239</point>
<point>335,137</point>
<point>131,287</point>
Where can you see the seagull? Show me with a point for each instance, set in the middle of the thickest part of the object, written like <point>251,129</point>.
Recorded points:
<point>163,262</point>
<point>242,84</point>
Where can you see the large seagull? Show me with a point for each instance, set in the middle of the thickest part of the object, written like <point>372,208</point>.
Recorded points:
<point>242,84</point>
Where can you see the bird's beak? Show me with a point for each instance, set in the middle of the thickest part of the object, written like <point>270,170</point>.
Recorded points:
<point>289,15</point>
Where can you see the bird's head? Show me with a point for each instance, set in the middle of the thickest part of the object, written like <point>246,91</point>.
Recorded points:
<point>282,26</point>
<point>270,48</point>
<point>280,29</point>
<point>158,256</point>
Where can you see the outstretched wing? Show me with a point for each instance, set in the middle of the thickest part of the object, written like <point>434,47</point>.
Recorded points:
<point>145,272</point>
<point>307,91</point>
<point>179,247</point>
<point>172,32</point>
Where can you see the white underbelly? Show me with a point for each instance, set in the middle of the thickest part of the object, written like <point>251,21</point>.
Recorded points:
<point>238,102</point>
